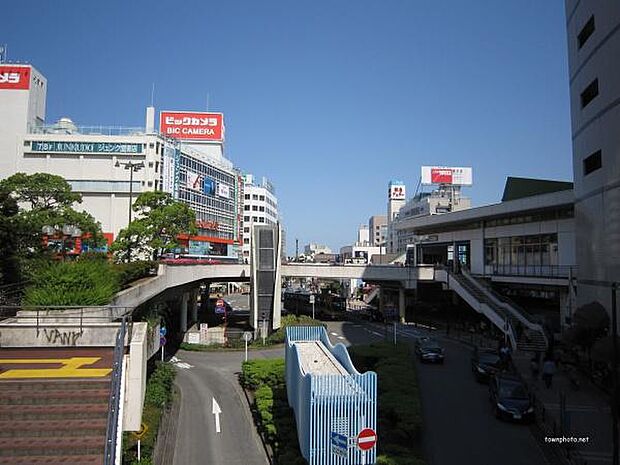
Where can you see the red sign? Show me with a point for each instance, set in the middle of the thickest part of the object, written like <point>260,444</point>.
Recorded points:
<point>441,176</point>
<point>14,77</point>
<point>192,125</point>
<point>205,224</point>
<point>366,439</point>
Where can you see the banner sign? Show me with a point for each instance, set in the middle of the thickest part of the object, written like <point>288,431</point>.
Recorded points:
<point>396,192</point>
<point>456,176</point>
<point>192,125</point>
<point>193,181</point>
<point>15,77</point>
<point>208,186</point>
<point>169,168</point>
<point>223,190</point>
<point>85,147</point>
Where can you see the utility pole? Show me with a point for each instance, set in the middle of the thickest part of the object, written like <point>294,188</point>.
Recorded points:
<point>296,250</point>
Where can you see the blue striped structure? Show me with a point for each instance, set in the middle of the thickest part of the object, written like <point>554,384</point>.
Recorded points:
<point>329,403</point>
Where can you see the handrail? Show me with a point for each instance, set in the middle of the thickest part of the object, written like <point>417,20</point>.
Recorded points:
<point>115,396</point>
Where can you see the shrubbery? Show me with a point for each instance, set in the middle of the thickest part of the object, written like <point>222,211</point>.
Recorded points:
<point>132,271</point>
<point>399,408</point>
<point>276,420</point>
<point>81,282</point>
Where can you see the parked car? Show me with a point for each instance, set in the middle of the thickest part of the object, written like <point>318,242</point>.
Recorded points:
<point>484,364</point>
<point>510,398</point>
<point>430,351</point>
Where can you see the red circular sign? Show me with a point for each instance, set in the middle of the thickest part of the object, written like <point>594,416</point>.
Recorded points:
<point>366,439</point>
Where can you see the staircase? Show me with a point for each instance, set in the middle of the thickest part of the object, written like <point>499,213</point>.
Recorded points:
<point>372,295</point>
<point>525,334</point>
<point>53,421</point>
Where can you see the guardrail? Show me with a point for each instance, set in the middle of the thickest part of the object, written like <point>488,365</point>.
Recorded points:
<point>114,403</point>
<point>535,271</point>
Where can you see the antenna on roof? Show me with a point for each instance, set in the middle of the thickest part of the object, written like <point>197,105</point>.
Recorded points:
<point>417,187</point>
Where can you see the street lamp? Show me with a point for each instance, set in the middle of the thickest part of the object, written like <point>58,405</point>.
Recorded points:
<point>132,167</point>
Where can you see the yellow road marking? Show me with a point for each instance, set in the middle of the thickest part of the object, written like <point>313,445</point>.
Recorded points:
<point>71,368</point>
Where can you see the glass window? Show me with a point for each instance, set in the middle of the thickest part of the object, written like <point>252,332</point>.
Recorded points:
<point>246,196</point>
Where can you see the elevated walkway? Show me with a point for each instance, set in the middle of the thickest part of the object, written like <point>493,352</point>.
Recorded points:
<point>329,397</point>
<point>523,333</point>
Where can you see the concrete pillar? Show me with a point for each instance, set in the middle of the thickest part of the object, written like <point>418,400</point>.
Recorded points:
<point>193,304</point>
<point>401,304</point>
<point>183,312</point>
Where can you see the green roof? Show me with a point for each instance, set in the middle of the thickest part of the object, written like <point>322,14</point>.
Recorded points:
<point>518,188</point>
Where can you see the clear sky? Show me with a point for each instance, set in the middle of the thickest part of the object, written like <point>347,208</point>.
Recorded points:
<point>329,99</point>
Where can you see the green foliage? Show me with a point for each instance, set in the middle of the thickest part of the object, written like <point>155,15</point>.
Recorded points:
<point>399,408</point>
<point>159,386</point>
<point>129,272</point>
<point>82,282</point>
<point>9,259</point>
<point>255,373</point>
<point>160,220</point>
<point>278,337</point>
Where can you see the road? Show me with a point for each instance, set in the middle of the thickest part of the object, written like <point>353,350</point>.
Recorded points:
<point>459,427</point>
<point>202,376</point>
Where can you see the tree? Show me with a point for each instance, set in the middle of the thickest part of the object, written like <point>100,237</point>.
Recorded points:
<point>160,221</point>
<point>44,200</point>
<point>9,258</point>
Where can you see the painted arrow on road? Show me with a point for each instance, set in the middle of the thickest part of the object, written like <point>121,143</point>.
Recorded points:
<point>216,410</point>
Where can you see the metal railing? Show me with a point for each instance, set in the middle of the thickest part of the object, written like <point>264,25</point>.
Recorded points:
<point>86,130</point>
<point>115,397</point>
<point>535,271</point>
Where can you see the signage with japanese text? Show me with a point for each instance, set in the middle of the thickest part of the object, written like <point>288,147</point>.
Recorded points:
<point>192,125</point>
<point>85,147</point>
<point>15,77</point>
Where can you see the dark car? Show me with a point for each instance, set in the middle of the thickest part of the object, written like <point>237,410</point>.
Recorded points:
<point>510,398</point>
<point>484,364</point>
<point>429,350</point>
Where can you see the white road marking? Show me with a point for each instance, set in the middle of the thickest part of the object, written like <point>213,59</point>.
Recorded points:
<point>340,337</point>
<point>216,410</point>
<point>334,334</point>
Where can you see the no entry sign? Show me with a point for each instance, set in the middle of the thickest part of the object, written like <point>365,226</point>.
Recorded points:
<point>366,439</point>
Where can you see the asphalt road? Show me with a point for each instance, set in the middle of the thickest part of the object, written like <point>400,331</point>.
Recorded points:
<point>202,376</point>
<point>459,426</point>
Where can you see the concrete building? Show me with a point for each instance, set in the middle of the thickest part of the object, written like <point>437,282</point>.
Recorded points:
<point>260,207</point>
<point>313,249</point>
<point>363,235</point>
<point>94,160</point>
<point>593,29</point>
<point>523,246</point>
<point>377,227</point>
<point>397,197</point>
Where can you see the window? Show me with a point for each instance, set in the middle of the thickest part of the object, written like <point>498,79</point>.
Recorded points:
<point>254,208</point>
<point>589,93</point>
<point>246,207</point>
<point>586,32</point>
<point>255,218</point>
<point>157,167</point>
<point>262,197</point>
<point>254,197</point>
<point>151,164</point>
<point>246,196</point>
<point>592,163</point>
<point>261,220</point>
<point>246,230</point>
<point>246,241</point>
<point>246,218</point>
<point>262,209</point>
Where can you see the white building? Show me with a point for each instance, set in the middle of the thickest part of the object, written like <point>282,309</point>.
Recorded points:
<point>260,207</point>
<point>312,249</point>
<point>377,227</point>
<point>593,29</point>
<point>397,197</point>
<point>363,235</point>
<point>93,160</point>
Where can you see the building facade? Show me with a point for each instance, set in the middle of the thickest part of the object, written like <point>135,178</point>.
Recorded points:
<point>593,30</point>
<point>93,161</point>
<point>260,207</point>
<point>377,227</point>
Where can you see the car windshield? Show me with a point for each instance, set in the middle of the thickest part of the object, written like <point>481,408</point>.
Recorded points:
<point>512,391</point>
<point>431,347</point>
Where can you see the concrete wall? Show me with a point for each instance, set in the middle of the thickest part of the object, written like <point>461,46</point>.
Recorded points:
<point>58,335</point>
<point>135,381</point>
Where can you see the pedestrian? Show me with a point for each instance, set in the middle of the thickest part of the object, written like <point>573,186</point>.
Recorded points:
<point>549,368</point>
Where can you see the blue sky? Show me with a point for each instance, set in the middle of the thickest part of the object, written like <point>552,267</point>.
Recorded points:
<point>328,99</point>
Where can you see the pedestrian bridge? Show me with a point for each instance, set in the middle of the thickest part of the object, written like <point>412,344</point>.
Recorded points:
<point>174,276</point>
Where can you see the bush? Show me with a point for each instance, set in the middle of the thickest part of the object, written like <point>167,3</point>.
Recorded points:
<point>81,282</point>
<point>129,272</point>
<point>255,373</point>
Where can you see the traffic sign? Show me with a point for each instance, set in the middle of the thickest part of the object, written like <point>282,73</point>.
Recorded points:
<point>247,336</point>
<point>339,444</point>
<point>163,331</point>
<point>311,298</point>
<point>366,439</point>
<point>162,341</point>
<point>141,432</point>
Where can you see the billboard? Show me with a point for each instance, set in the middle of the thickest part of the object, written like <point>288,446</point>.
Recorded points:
<point>192,125</point>
<point>396,191</point>
<point>14,77</point>
<point>193,181</point>
<point>169,168</point>
<point>223,190</point>
<point>208,186</point>
<point>456,176</point>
